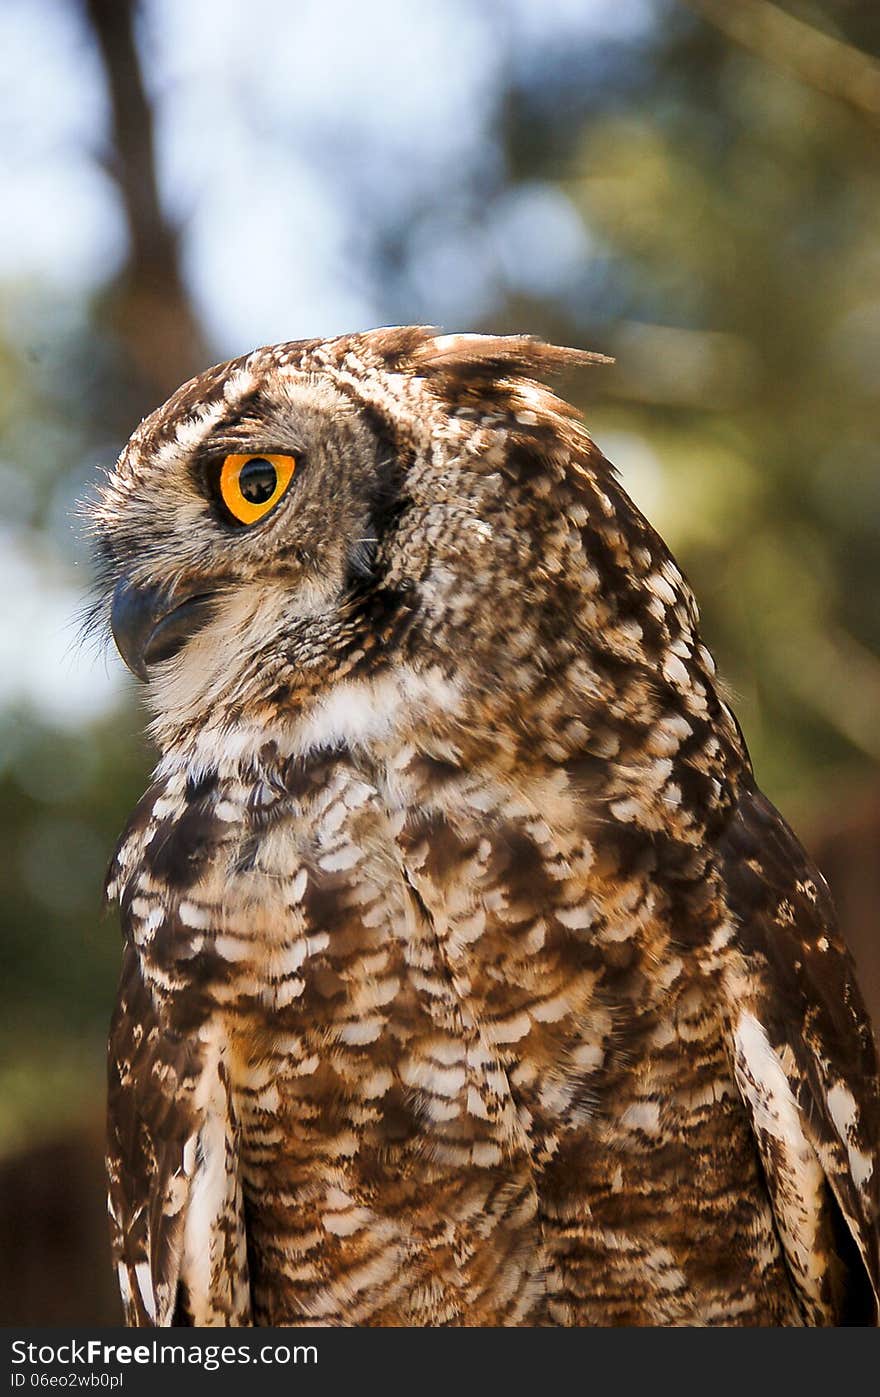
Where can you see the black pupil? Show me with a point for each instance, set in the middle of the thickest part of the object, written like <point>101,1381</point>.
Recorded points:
<point>257,480</point>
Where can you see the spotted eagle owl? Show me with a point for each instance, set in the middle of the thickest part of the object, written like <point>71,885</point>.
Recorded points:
<point>468,977</point>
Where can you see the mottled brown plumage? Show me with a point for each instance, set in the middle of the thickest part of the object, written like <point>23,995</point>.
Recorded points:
<point>468,979</point>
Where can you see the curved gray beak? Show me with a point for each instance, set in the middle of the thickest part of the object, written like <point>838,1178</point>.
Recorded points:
<point>150,626</point>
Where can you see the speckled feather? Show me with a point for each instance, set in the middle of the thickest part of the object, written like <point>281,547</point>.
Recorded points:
<point>468,977</point>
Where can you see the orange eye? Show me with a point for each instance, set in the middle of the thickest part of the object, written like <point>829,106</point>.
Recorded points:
<point>251,486</point>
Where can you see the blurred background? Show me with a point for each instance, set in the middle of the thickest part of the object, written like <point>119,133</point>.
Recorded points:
<point>692,186</point>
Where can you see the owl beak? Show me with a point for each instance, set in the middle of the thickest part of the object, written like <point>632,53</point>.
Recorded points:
<point>149,626</point>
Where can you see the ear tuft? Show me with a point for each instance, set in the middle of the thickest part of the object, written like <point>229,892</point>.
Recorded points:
<point>490,357</point>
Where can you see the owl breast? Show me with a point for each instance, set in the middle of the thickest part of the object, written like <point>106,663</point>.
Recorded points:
<point>382,1139</point>
<point>423,1015</point>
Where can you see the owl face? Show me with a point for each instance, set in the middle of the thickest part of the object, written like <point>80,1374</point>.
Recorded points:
<point>251,501</point>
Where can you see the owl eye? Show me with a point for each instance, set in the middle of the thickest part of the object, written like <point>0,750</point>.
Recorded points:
<point>251,486</point>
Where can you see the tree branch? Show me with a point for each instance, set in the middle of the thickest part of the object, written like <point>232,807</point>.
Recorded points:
<point>818,59</point>
<point>152,311</point>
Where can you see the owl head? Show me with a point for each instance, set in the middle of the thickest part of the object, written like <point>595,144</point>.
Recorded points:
<point>393,508</point>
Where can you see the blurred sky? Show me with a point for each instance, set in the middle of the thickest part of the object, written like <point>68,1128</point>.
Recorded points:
<point>275,124</point>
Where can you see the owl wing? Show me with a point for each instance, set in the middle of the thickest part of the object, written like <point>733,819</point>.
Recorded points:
<point>176,1210</point>
<point>805,1065</point>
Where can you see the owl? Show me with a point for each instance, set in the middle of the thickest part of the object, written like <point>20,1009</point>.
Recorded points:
<point>468,977</point>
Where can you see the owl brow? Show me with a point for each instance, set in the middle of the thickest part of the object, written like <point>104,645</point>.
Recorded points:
<point>253,436</point>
